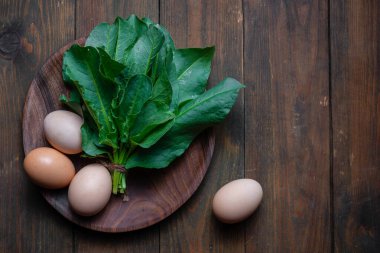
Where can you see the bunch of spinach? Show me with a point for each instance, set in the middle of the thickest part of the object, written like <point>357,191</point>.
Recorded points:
<point>143,100</point>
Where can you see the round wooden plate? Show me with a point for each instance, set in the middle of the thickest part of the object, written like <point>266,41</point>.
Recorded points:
<point>153,194</point>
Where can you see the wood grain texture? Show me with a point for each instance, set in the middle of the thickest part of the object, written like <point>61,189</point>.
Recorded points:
<point>287,124</point>
<point>355,75</point>
<point>283,141</point>
<point>198,24</point>
<point>30,32</point>
<point>91,13</point>
<point>88,14</point>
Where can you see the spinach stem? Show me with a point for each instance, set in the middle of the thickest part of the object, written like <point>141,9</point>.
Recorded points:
<point>115,181</point>
<point>124,181</point>
<point>120,156</point>
<point>115,156</point>
<point>119,182</point>
<point>132,147</point>
<point>122,152</point>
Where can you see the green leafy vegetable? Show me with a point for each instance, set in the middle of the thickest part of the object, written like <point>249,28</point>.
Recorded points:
<point>140,57</point>
<point>143,100</point>
<point>151,124</point>
<point>129,102</point>
<point>209,108</point>
<point>162,90</point>
<point>81,65</point>
<point>192,69</point>
<point>115,39</point>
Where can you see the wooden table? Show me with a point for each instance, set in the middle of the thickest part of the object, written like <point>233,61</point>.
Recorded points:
<point>307,126</point>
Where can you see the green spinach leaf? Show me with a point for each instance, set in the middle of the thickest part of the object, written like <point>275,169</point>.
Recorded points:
<point>191,70</point>
<point>116,38</point>
<point>140,57</point>
<point>204,111</point>
<point>162,90</point>
<point>129,102</point>
<point>81,66</point>
<point>151,124</point>
<point>90,141</point>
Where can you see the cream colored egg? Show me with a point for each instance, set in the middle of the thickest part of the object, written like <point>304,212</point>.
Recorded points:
<point>90,190</point>
<point>63,131</point>
<point>49,168</point>
<point>237,200</point>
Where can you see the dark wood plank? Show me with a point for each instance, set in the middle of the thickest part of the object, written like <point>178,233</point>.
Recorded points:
<point>91,13</point>
<point>197,24</point>
<point>31,31</point>
<point>287,124</point>
<point>355,75</point>
<point>88,14</point>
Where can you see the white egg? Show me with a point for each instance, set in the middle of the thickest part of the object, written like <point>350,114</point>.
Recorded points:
<point>63,131</point>
<point>90,190</point>
<point>237,200</point>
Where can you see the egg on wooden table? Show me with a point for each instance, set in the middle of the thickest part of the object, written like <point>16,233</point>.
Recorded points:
<point>90,190</point>
<point>63,131</point>
<point>49,168</point>
<point>237,200</point>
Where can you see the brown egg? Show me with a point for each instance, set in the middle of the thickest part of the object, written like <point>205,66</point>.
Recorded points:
<point>49,168</point>
<point>90,190</point>
<point>237,200</point>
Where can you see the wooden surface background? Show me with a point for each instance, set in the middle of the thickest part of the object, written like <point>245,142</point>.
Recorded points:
<point>307,126</point>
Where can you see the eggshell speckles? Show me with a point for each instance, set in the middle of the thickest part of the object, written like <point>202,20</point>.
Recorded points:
<point>90,190</point>
<point>63,131</point>
<point>237,200</point>
<point>49,168</point>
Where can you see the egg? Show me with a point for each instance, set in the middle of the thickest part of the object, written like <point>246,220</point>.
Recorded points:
<point>90,190</point>
<point>63,131</point>
<point>237,200</point>
<point>49,168</point>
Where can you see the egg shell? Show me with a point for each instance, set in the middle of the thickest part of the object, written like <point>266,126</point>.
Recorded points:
<point>237,200</point>
<point>90,190</point>
<point>49,168</point>
<point>63,131</point>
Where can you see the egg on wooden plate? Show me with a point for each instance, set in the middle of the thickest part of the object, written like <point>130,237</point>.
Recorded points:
<point>90,190</point>
<point>49,168</point>
<point>63,131</point>
<point>237,200</point>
